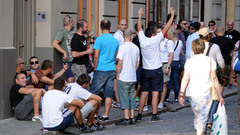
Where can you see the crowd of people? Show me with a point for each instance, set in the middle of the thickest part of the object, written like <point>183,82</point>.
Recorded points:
<point>124,68</point>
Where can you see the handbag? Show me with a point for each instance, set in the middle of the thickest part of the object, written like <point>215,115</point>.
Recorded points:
<point>214,91</point>
<point>220,126</point>
<point>89,68</point>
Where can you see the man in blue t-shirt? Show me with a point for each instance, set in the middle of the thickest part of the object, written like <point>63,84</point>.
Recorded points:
<point>106,48</point>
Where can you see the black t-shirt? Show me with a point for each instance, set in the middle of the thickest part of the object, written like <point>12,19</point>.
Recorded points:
<point>15,96</point>
<point>79,44</point>
<point>234,35</point>
<point>226,46</point>
<point>136,42</point>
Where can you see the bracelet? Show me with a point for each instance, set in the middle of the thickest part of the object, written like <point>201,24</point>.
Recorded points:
<point>181,96</point>
<point>139,17</point>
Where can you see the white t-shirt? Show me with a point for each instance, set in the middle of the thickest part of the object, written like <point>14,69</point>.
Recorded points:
<point>200,79</point>
<point>77,92</point>
<point>178,50</point>
<point>129,54</point>
<point>53,106</point>
<point>166,46</point>
<point>119,36</point>
<point>150,48</point>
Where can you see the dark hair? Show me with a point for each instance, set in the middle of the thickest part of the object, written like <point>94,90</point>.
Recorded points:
<point>198,25</point>
<point>83,78</point>
<point>212,22</point>
<point>152,24</point>
<point>59,83</point>
<point>180,21</point>
<point>80,23</point>
<point>179,27</point>
<point>136,26</point>
<point>105,25</point>
<point>169,16</point>
<point>33,57</point>
<point>149,32</point>
<point>16,76</point>
<point>47,64</point>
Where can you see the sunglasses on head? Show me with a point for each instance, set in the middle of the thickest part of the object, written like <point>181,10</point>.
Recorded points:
<point>34,62</point>
<point>21,63</point>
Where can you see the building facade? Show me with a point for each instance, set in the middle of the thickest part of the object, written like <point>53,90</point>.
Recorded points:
<point>28,27</point>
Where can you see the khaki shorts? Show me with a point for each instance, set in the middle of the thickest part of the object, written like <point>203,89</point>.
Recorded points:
<point>166,77</point>
<point>77,70</point>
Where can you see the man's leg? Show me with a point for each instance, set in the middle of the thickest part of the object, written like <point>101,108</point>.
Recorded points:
<point>36,101</point>
<point>77,113</point>
<point>164,93</point>
<point>142,101</point>
<point>108,102</point>
<point>115,89</point>
<point>91,115</point>
<point>155,95</point>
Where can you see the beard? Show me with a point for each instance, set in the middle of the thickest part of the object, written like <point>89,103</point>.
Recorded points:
<point>84,31</point>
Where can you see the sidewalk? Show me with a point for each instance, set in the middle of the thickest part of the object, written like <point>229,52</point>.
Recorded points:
<point>12,127</point>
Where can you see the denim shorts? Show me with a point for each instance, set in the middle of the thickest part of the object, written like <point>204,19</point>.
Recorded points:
<point>69,73</point>
<point>68,119</point>
<point>166,77</point>
<point>152,80</point>
<point>126,93</point>
<point>139,73</point>
<point>103,80</point>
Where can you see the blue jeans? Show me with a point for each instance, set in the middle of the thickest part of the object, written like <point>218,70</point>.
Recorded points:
<point>126,93</point>
<point>213,110</point>
<point>139,73</point>
<point>174,79</point>
<point>103,80</point>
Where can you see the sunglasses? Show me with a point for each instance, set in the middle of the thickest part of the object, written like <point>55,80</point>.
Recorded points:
<point>34,62</point>
<point>210,25</point>
<point>91,43</point>
<point>191,28</point>
<point>184,23</point>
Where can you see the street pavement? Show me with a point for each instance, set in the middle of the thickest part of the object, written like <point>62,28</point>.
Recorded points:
<point>177,120</point>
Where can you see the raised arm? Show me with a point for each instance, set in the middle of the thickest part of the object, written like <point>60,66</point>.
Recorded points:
<point>169,23</point>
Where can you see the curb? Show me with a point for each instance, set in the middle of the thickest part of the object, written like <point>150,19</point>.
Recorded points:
<point>166,109</point>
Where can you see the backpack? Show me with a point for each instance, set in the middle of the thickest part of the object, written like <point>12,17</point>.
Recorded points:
<point>236,63</point>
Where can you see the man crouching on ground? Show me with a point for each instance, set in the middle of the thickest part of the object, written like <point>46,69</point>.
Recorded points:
<point>25,101</point>
<point>60,109</point>
<point>78,90</point>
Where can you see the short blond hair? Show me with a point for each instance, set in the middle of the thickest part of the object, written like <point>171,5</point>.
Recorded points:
<point>198,46</point>
<point>171,33</point>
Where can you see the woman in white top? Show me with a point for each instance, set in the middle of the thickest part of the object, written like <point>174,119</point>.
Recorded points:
<point>175,65</point>
<point>197,80</point>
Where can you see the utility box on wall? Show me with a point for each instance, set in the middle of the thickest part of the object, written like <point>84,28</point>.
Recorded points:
<point>8,57</point>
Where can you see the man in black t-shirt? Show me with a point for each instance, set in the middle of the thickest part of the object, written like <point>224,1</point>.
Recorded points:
<point>226,47</point>
<point>231,32</point>
<point>25,101</point>
<point>80,50</point>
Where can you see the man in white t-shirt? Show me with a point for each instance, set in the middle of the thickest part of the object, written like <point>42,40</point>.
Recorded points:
<point>152,74</point>
<point>78,90</point>
<point>60,109</point>
<point>128,62</point>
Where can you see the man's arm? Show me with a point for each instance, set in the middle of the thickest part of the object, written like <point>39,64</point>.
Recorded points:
<point>170,59</point>
<point>169,23</point>
<point>119,68</point>
<point>61,72</point>
<point>47,80</point>
<point>29,90</point>
<point>95,59</point>
<point>138,63</point>
<point>77,102</point>
<point>33,76</point>
<point>56,45</point>
<point>76,54</point>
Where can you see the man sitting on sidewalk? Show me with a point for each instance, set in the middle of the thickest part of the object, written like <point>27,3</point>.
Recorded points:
<point>45,75</point>
<point>78,90</point>
<point>128,62</point>
<point>25,100</point>
<point>55,117</point>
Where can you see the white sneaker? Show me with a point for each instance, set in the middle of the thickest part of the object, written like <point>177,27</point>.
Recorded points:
<point>37,118</point>
<point>145,108</point>
<point>160,105</point>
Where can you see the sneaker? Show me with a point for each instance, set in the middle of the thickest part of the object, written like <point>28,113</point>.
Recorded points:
<point>132,121</point>
<point>167,101</point>
<point>145,108</point>
<point>96,117</point>
<point>86,129</point>
<point>99,127</point>
<point>156,119</point>
<point>116,105</point>
<point>176,100</point>
<point>160,105</point>
<point>92,127</point>
<point>104,119</point>
<point>139,118</point>
<point>37,118</point>
<point>122,122</point>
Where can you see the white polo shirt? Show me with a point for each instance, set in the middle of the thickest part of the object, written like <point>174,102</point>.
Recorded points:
<point>166,46</point>
<point>119,36</point>
<point>129,54</point>
<point>150,48</point>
